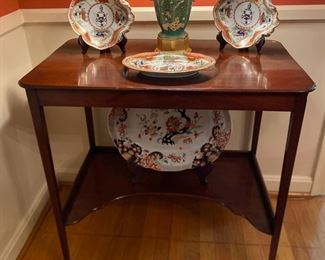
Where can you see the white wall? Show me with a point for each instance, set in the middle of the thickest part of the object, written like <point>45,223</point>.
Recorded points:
<point>303,41</point>
<point>319,179</point>
<point>22,186</point>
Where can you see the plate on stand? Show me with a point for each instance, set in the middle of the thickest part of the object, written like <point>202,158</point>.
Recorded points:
<point>169,139</point>
<point>243,23</point>
<point>101,23</point>
<point>169,64</point>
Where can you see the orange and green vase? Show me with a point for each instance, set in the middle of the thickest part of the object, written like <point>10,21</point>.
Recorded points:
<point>173,16</point>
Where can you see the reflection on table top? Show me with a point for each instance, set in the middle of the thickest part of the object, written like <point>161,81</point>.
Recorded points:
<point>235,71</point>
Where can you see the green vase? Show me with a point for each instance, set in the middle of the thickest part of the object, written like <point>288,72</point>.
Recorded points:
<point>173,16</point>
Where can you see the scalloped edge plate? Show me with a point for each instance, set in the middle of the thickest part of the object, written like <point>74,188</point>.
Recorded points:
<point>101,23</point>
<point>238,23</point>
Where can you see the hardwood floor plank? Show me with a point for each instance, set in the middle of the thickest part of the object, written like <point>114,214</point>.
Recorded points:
<point>317,211</point>
<point>147,249</point>
<point>192,251</point>
<point>257,252</point>
<point>131,222</point>
<point>90,247</point>
<point>295,236</point>
<point>238,252</point>
<point>44,246</point>
<point>158,220</point>
<point>223,251</point>
<point>207,213</point>
<point>285,253</point>
<point>308,253</point>
<point>185,221</point>
<point>207,251</point>
<point>162,249</point>
<point>227,227</point>
<point>253,236</point>
<point>176,250</point>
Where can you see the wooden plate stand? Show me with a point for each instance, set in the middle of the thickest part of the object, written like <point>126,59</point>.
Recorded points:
<point>223,43</point>
<point>84,46</point>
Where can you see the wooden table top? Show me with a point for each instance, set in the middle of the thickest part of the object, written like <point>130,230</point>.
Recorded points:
<point>275,71</point>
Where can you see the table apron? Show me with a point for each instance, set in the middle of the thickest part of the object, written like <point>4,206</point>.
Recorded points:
<point>165,99</point>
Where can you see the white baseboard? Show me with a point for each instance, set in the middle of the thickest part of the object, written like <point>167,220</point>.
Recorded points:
<point>25,227</point>
<point>299,184</point>
<point>66,174</point>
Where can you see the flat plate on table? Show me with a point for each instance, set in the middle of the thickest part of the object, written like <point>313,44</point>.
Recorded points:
<point>169,64</point>
<point>101,23</point>
<point>169,139</point>
<point>244,22</point>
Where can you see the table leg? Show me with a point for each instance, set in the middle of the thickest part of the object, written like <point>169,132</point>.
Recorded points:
<point>256,131</point>
<point>38,117</point>
<point>295,124</point>
<point>90,127</point>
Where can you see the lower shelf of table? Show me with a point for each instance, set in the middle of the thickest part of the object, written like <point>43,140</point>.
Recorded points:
<point>235,182</point>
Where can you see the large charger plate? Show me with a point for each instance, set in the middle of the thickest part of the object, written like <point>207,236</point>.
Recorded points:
<point>101,23</point>
<point>244,22</point>
<point>169,139</point>
<point>168,64</point>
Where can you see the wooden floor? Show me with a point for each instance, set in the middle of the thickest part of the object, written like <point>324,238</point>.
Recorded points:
<point>160,227</point>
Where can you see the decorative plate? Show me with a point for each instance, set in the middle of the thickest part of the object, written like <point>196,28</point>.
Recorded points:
<point>168,64</point>
<point>244,22</point>
<point>169,139</point>
<point>101,23</point>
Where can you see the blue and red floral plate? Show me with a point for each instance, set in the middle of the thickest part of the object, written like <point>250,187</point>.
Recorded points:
<point>101,23</point>
<point>244,22</point>
<point>169,139</point>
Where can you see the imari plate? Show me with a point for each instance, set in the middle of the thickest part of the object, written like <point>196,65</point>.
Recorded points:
<point>168,64</point>
<point>169,139</point>
<point>101,23</point>
<point>244,22</point>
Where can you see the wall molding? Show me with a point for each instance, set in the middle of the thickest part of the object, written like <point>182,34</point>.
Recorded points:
<point>287,13</point>
<point>26,225</point>
<point>199,13</point>
<point>11,21</point>
<point>299,184</point>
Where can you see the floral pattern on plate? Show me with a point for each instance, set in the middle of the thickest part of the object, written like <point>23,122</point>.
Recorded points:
<point>244,22</point>
<point>168,64</point>
<point>169,139</point>
<point>101,23</point>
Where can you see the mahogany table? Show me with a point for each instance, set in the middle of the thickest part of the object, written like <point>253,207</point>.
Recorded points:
<point>240,80</point>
